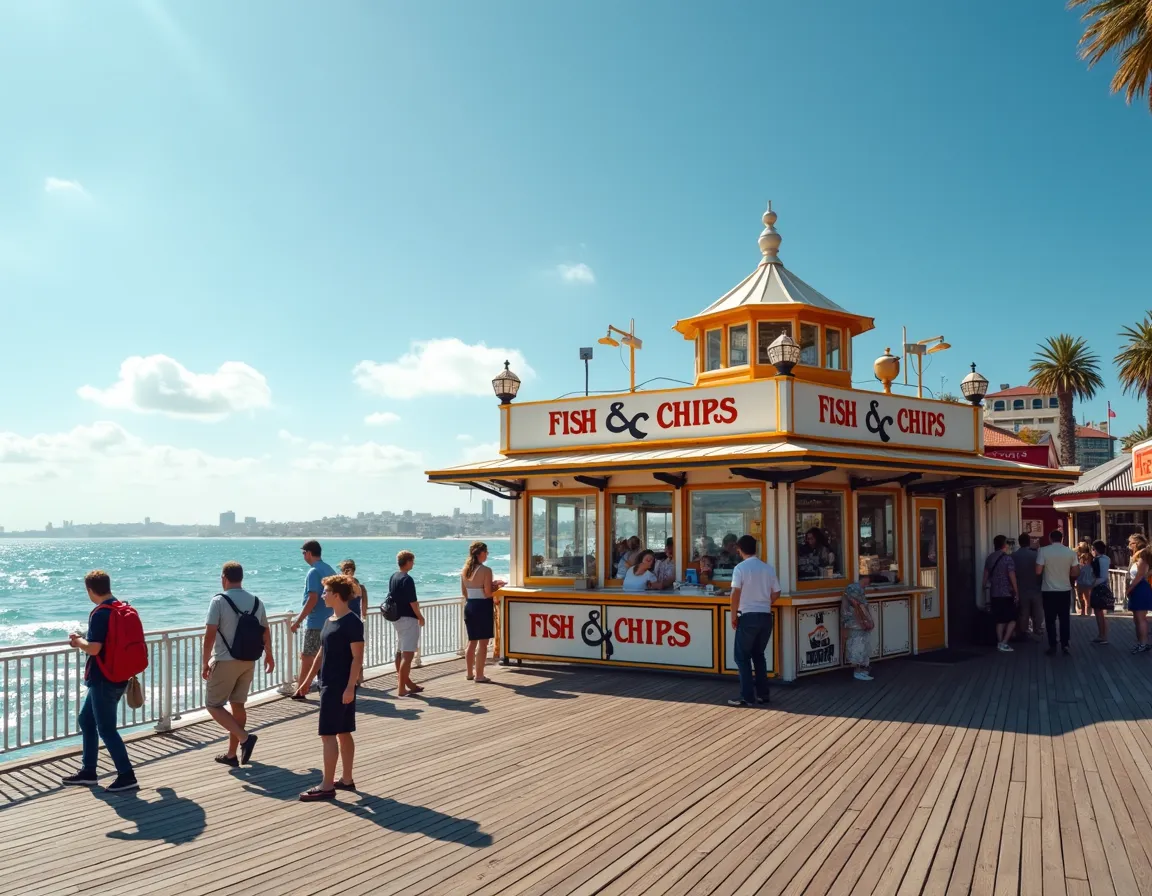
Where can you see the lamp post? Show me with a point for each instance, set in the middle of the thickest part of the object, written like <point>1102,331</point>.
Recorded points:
<point>784,354</point>
<point>586,356</point>
<point>506,384</point>
<point>920,349</point>
<point>628,338</point>
<point>974,387</point>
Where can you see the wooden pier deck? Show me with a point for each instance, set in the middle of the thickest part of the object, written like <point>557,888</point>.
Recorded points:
<point>998,774</point>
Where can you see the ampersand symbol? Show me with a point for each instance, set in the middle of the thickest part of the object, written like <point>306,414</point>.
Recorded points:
<point>618,422</point>
<point>593,635</point>
<point>876,423</point>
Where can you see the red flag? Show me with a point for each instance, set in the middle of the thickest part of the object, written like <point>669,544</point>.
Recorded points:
<point>1111,413</point>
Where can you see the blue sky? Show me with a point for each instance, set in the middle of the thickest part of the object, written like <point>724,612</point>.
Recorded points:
<point>300,188</point>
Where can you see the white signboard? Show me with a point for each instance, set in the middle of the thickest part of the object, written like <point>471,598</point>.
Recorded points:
<point>896,619</point>
<point>664,635</point>
<point>548,629</point>
<point>641,418</point>
<point>881,420</point>
<point>730,646</point>
<point>817,639</point>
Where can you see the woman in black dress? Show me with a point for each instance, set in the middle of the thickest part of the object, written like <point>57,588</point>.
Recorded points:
<point>339,662</point>
<point>478,587</point>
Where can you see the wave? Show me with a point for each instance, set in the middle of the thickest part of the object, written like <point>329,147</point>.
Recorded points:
<point>23,633</point>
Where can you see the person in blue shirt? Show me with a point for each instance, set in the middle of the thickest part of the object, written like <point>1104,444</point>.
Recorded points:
<point>313,614</point>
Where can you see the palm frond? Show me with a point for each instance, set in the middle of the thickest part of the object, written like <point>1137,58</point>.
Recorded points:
<point>1122,28</point>
<point>1134,360</point>
<point>1065,365</point>
<point>1134,438</point>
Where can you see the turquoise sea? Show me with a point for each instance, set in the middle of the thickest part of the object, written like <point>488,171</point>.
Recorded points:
<point>171,580</point>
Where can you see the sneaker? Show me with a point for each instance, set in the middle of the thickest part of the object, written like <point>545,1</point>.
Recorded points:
<point>737,703</point>
<point>122,783</point>
<point>763,700</point>
<point>81,779</point>
<point>1140,648</point>
<point>1004,647</point>
<point>862,676</point>
<point>1099,640</point>
<point>246,749</point>
<point>1066,650</point>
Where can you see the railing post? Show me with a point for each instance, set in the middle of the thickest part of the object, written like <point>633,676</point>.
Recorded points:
<point>164,723</point>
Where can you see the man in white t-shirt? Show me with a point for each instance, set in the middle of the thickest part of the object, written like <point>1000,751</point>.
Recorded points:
<point>754,587</point>
<point>1057,565</point>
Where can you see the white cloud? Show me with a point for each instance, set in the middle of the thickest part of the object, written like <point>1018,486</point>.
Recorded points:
<point>481,452</point>
<point>161,385</point>
<point>576,273</point>
<point>382,418</point>
<point>370,459</point>
<point>285,436</point>
<point>60,185</point>
<point>463,437</point>
<point>440,367</point>
<point>108,452</point>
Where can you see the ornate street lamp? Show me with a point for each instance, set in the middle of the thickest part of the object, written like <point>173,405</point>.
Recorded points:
<point>506,385</point>
<point>784,354</point>
<point>974,387</point>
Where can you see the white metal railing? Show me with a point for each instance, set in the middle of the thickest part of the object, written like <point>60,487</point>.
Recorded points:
<point>1118,580</point>
<point>43,685</point>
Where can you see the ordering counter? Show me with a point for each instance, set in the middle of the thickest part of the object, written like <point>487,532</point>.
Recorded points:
<point>689,630</point>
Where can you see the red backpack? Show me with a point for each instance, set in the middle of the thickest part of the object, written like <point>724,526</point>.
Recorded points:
<point>125,654</point>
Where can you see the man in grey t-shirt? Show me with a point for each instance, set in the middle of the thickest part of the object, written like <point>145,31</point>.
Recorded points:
<point>230,679</point>
<point>1028,583</point>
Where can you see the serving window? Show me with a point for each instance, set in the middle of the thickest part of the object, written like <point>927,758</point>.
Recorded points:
<point>820,546</point>
<point>877,537</point>
<point>718,517</point>
<point>738,345</point>
<point>713,349</point>
<point>833,358</point>
<point>563,536</point>
<point>638,521</point>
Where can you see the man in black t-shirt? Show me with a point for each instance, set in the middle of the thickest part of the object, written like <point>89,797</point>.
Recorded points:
<point>402,590</point>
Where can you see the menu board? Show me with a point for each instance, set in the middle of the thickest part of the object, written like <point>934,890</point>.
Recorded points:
<point>817,639</point>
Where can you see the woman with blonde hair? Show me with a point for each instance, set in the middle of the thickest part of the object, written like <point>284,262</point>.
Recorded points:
<point>1140,589</point>
<point>478,587</point>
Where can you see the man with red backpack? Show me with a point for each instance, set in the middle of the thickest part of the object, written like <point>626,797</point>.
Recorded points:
<point>116,652</point>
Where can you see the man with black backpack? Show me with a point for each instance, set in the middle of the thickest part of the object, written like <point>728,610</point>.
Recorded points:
<point>235,637</point>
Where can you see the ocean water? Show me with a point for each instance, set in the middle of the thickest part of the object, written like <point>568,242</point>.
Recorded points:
<point>171,580</point>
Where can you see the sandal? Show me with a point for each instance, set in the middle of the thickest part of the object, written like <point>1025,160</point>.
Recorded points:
<point>340,785</point>
<point>316,794</point>
<point>484,680</point>
<point>471,677</point>
<point>225,759</point>
<point>415,689</point>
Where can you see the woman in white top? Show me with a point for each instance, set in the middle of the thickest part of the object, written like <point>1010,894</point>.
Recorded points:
<point>640,577</point>
<point>478,587</point>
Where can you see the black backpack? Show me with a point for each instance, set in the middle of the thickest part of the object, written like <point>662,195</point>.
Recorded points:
<point>390,608</point>
<point>248,643</point>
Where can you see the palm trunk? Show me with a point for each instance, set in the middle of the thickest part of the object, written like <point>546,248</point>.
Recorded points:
<point>1067,430</point>
<point>1147,412</point>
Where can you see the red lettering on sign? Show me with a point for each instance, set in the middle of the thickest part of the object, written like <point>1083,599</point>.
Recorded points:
<point>697,412</point>
<point>657,632</point>
<point>838,411</point>
<point>551,625</point>
<point>920,423</point>
<point>572,423</point>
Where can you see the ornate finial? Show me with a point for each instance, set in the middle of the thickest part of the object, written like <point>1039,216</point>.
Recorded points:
<point>769,238</point>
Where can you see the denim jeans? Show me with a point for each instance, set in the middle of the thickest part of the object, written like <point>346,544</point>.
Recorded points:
<point>1057,607</point>
<point>753,630</point>
<point>98,722</point>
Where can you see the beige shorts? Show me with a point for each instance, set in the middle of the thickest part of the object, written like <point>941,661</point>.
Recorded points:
<point>229,682</point>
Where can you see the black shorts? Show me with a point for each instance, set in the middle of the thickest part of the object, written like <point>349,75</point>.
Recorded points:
<point>336,716</point>
<point>1004,610</point>
<point>480,619</point>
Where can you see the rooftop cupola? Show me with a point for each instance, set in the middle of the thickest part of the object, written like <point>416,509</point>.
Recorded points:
<point>732,335</point>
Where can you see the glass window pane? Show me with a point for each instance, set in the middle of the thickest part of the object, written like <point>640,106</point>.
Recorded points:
<point>1053,402</point>
<point>877,538</point>
<point>718,518</point>
<point>766,333</point>
<point>713,342</point>
<point>928,541</point>
<point>810,344</point>
<point>998,405</point>
<point>639,521</point>
<point>738,345</point>
<point>832,349</point>
<point>1037,403</point>
<point>563,536</point>
<point>1018,404</point>
<point>819,535</point>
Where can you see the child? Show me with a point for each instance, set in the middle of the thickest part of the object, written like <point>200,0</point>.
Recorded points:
<point>339,662</point>
<point>857,621</point>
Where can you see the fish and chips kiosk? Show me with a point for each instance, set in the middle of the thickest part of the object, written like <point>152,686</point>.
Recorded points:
<point>771,441</point>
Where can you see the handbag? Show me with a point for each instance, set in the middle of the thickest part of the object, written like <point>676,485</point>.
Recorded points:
<point>864,615</point>
<point>134,693</point>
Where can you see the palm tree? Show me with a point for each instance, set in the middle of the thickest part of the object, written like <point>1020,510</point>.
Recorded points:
<point>1123,27</point>
<point>1134,438</point>
<point>948,396</point>
<point>1066,368</point>
<point>1135,361</point>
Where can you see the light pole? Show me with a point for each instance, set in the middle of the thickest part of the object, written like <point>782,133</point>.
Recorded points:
<point>628,338</point>
<point>586,356</point>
